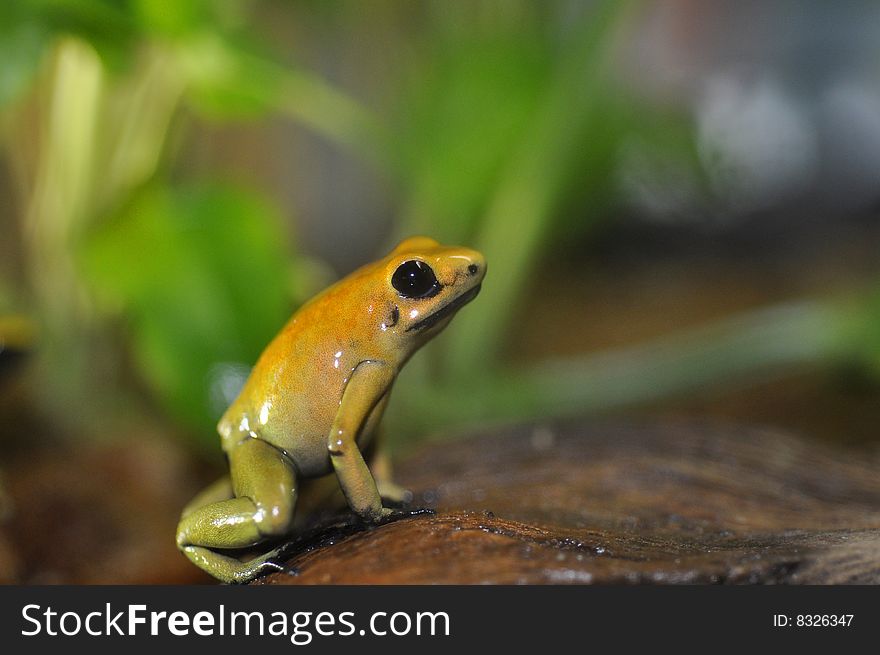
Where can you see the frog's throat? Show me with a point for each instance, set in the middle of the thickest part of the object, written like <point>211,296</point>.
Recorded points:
<point>447,310</point>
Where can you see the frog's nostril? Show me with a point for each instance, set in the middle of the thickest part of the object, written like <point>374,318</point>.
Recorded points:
<point>473,268</point>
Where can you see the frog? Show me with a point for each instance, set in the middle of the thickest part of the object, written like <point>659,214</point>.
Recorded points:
<point>311,406</point>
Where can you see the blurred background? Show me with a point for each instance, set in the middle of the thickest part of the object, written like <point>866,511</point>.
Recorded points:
<point>678,202</point>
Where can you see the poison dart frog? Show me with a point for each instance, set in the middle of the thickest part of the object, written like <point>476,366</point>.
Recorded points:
<point>312,403</point>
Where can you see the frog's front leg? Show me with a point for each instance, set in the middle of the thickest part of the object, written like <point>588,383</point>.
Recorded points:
<point>369,383</point>
<point>264,484</point>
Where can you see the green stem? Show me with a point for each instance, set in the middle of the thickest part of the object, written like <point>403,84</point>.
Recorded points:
<point>328,111</point>
<point>211,62</point>
<point>517,220</point>
<point>142,112</point>
<point>59,202</point>
<point>763,344</point>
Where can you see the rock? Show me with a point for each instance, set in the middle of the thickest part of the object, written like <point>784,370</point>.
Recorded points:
<point>583,503</point>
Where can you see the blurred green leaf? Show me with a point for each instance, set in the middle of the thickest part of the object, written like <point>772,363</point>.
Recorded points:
<point>172,18</point>
<point>22,45</point>
<point>230,78</point>
<point>200,277</point>
<point>499,129</point>
<point>462,114</point>
<point>109,26</point>
<point>116,29</point>
<point>863,330</point>
<point>229,81</point>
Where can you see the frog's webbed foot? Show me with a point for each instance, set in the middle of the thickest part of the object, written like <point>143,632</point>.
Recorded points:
<point>232,570</point>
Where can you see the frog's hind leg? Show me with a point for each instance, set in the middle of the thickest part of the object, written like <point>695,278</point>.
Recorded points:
<point>263,482</point>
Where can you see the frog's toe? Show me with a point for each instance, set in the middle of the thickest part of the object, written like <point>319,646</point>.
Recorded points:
<point>378,516</point>
<point>261,565</point>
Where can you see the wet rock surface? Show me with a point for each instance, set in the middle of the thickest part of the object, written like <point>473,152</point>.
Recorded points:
<point>585,503</point>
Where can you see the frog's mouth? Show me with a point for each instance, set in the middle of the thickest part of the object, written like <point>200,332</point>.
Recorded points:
<point>447,310</point>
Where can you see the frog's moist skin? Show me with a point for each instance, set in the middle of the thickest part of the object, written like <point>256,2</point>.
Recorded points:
<point>315,397</point>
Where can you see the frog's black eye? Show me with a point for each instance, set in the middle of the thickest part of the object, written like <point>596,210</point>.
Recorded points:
<point>415,279</point>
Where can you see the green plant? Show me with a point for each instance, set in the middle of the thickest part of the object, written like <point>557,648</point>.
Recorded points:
<point>503,115</point>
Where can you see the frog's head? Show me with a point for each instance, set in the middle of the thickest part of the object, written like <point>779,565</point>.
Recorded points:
<point>427,283</point>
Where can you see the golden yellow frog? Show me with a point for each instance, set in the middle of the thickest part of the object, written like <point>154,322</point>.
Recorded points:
<point>315,397</point>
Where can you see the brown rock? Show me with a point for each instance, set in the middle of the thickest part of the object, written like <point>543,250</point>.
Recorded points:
<point>576,503</point>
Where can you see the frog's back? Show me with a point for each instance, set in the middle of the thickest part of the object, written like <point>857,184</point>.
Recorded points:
<point>292,395</point>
